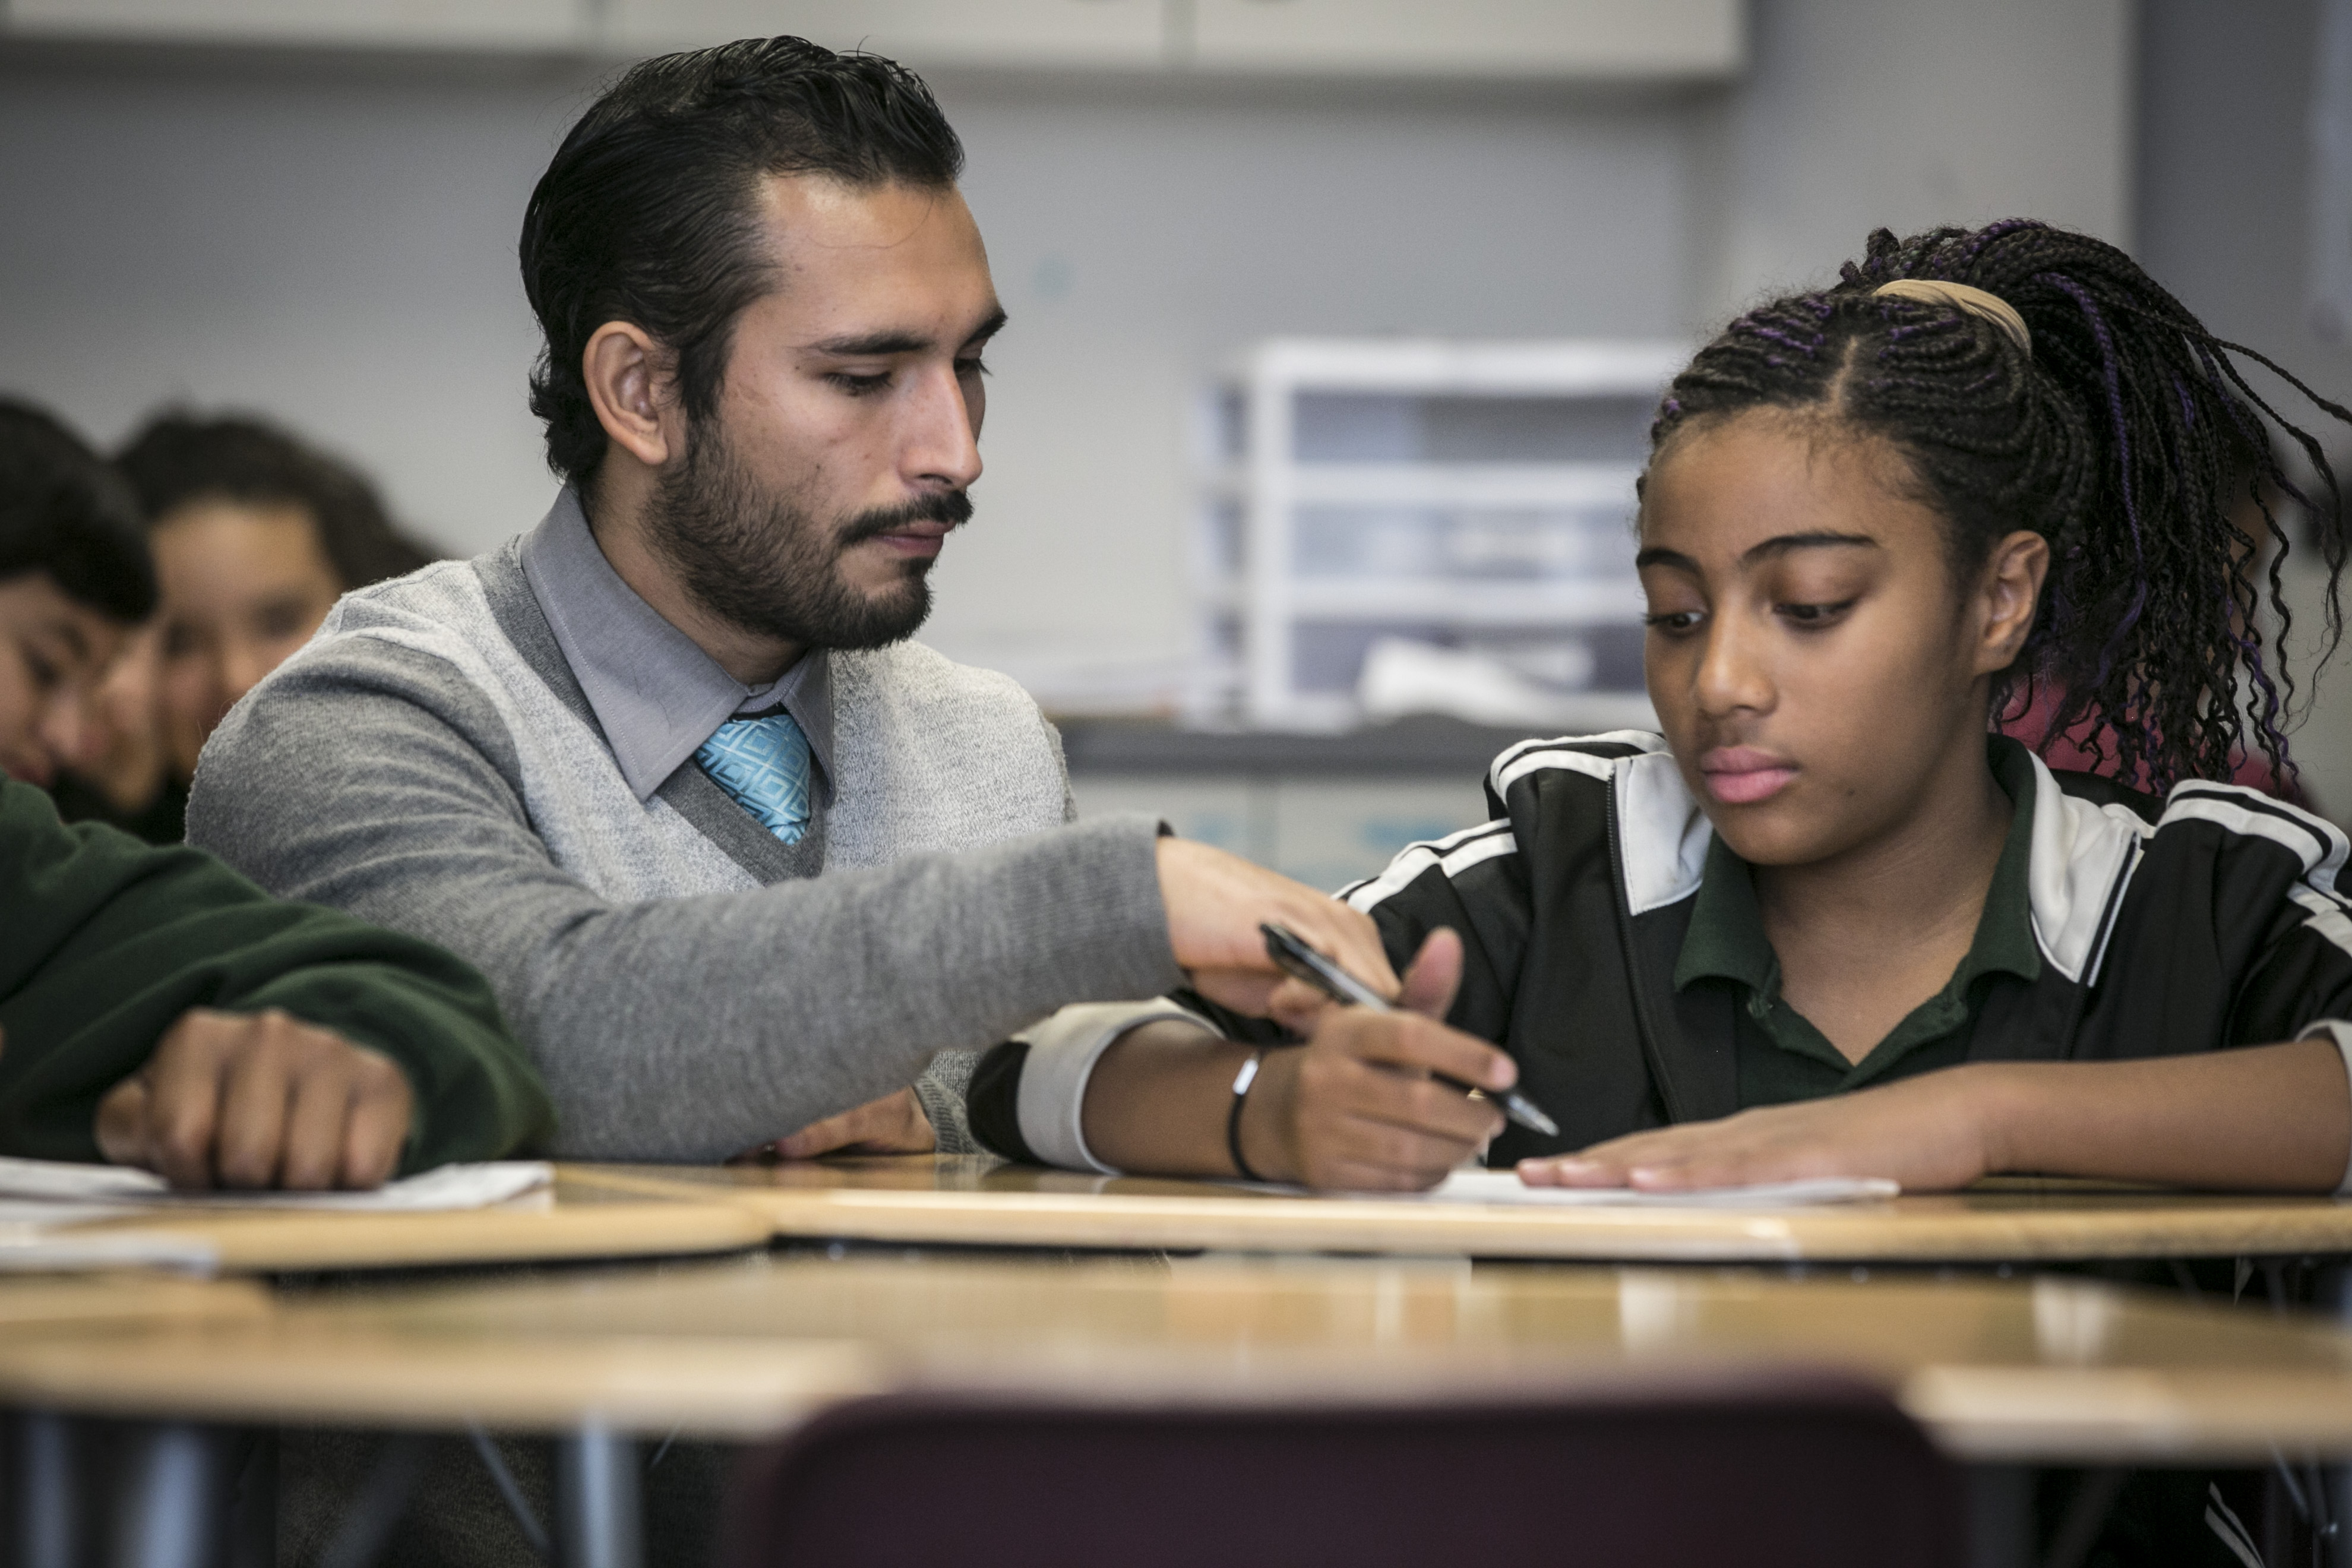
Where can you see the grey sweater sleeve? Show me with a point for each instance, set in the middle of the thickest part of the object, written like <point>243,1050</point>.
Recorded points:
<point>367,778</point>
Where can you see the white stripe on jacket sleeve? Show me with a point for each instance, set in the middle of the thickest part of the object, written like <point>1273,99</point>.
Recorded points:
<point>1453,854</point>
<point>1063,1051</point>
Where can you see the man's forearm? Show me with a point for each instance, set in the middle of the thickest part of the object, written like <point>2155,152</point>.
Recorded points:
<point>2270,1118</point>
<point>689,1028</point>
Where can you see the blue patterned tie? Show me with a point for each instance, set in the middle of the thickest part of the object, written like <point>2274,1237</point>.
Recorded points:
<point>763,764</point>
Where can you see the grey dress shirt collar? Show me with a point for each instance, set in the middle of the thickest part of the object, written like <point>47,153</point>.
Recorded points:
<point>657,695</point>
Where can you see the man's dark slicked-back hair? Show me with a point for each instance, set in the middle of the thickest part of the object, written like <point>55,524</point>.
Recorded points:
<point>63,512</point>
<point>648,213</point>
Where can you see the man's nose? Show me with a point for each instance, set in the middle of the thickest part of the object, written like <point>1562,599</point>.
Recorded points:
<point>941,445</point>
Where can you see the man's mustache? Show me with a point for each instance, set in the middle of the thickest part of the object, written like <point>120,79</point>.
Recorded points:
<point>951,507</point>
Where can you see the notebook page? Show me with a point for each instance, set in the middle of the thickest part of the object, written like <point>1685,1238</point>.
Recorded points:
<point>69,1190</point>
<point>1505,1187</point>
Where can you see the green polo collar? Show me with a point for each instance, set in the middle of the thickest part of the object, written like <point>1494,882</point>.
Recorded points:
<point>1726,940</point>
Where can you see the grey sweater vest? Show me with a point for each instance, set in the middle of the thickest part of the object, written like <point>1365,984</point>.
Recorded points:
<point>429,762</point>
<point>931,755</point>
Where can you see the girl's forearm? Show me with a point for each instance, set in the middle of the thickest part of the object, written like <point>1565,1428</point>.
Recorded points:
<point>2269,1118</point>
<point>1157,1099</point>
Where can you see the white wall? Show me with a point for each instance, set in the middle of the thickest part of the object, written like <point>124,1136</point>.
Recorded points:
<point>2224,222</point>
<point>1904,114</point>
<point>336,250</point>
<point>332,244</point>
<point>1138,248</point>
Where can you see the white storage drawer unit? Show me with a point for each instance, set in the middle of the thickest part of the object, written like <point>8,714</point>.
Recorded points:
<point>1463,496</point>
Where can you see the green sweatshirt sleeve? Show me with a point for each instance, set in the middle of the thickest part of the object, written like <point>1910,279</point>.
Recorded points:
<point>105,942</point>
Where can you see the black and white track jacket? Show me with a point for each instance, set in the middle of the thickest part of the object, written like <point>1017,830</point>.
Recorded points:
<point>2211,920</point>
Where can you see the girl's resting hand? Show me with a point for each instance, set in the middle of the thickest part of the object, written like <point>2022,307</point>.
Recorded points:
<point>1926,1132</point>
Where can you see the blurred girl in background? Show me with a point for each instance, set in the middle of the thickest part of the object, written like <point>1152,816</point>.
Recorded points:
<point>254,535</point>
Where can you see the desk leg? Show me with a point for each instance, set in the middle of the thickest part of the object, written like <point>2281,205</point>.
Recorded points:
<point>47,1532</point>
<point>253,1516</point>
<point>171,1510</point>
<point>598,1522</point>
<point>2336,1499</point>
<point>2332,1293</point>
<point>2001,1516</point>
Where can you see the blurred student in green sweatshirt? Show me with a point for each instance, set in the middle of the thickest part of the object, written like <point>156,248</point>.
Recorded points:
<point>155,1008</point>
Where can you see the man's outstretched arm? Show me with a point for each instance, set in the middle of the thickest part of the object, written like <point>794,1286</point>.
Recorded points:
<point>693,1028</point>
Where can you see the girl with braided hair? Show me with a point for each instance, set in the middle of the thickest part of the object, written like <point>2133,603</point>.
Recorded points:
<point>1831,923</point>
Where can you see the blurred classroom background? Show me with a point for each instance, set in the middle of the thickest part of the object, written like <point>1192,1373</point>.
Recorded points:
<point>1335,322</point>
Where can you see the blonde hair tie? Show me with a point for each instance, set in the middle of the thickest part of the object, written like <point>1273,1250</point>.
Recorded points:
<point>1964,296</point>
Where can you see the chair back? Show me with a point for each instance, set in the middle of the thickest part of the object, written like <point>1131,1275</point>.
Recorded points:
<point>1757,1471</point>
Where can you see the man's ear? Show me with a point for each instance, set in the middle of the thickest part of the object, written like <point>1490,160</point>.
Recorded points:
<point>629,383</point>
<point>2010,591</point>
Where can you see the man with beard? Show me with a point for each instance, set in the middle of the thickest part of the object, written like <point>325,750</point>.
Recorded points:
<point>740,859</point>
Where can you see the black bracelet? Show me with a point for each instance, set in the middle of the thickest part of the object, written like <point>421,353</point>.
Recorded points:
<point>1242,1081</point>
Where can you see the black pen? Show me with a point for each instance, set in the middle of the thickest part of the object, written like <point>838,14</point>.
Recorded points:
<point>1293,956</point>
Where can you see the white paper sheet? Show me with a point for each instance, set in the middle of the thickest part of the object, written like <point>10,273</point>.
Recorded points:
<point>21,1217</point>
<point>1505,1187</point>
<point>68,1191</point>
<point>43,1249</point>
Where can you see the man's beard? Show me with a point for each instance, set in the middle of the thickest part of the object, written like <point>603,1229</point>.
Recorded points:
<point>764,565</point>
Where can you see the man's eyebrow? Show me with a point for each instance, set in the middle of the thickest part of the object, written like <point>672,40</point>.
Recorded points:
<point>988,328</point>
<point>1781,545</point>
<point>897,341</point>
<point>869,345</point>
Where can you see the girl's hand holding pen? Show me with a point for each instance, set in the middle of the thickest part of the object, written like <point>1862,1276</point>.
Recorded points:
<point>1358,1108</point>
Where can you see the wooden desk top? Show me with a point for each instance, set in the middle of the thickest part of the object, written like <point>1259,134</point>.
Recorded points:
<point>975,1200</point>
<point>573,1220</point>
<point>36,1301</point>
<point>2051,1371</point>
